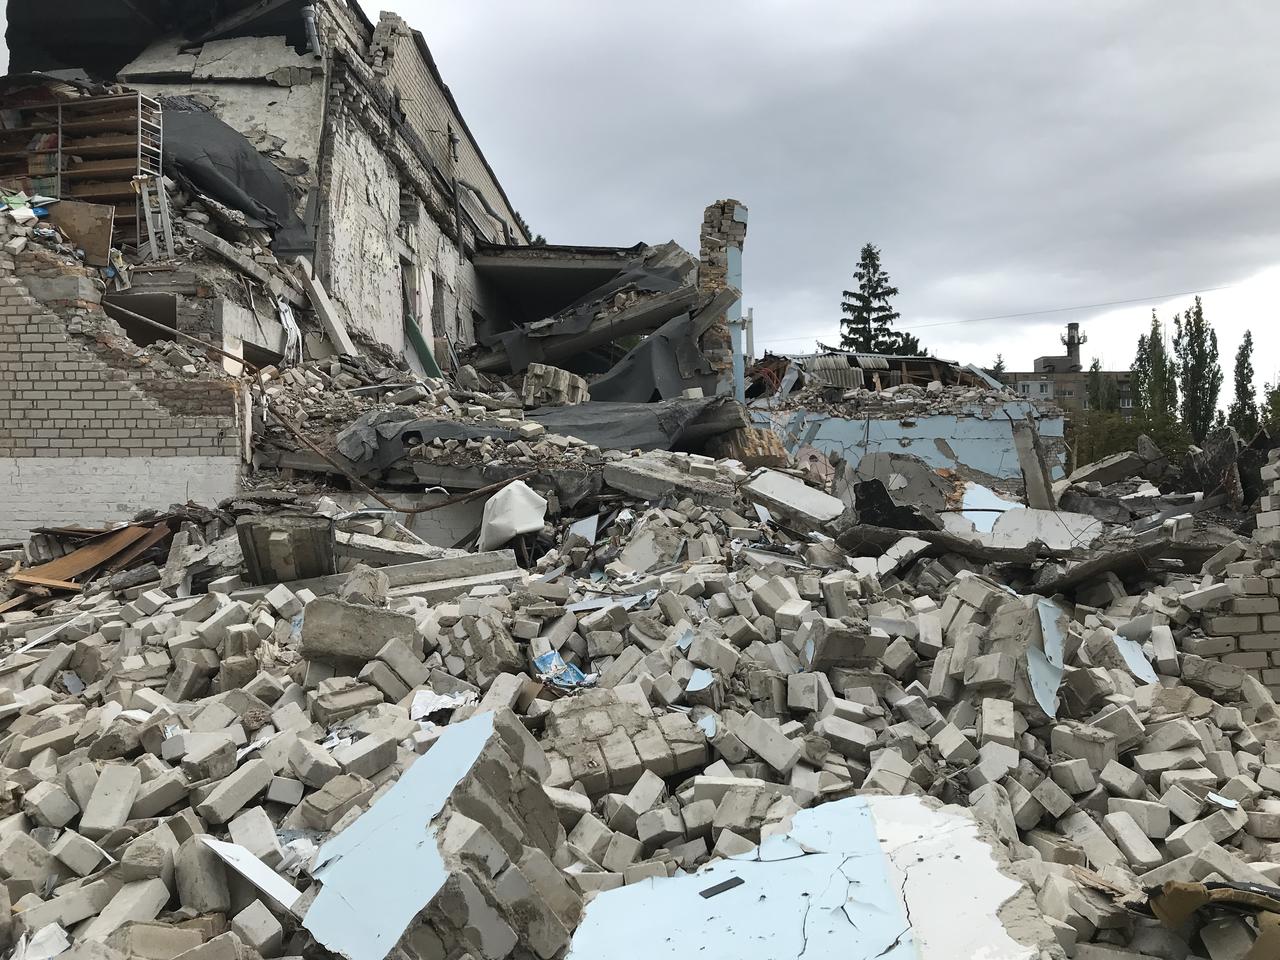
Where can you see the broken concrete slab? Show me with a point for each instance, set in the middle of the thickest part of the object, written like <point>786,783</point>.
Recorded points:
<point>793,500</point>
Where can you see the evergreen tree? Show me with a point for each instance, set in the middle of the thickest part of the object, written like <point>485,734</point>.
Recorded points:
<point>867,324</point>
<point>1195,346</point>
<point>903,344</point>
<point>997,369</point>
<point>535,239</point>
<point>1243,414</point>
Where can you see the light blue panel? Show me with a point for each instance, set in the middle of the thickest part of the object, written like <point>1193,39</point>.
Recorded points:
<point>821,891</point>
<point>734,277</point>
<point>942,440</point>
<point>383,869</point>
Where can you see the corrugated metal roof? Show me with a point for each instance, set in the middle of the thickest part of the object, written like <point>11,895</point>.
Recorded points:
<point>871,361</point>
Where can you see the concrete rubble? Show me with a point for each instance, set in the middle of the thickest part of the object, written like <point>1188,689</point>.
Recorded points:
<point>531,640</point>
<point>615,716</point>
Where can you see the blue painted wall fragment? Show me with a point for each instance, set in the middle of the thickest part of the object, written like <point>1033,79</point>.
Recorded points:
<point>979,440</point>
<point>822,890</point>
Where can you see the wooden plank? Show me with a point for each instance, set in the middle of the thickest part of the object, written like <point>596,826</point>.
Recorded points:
<point>244,264</point>
<point>13,603</point>
<point>126,556</point>
<point>31,580</point>
<point>104,169</point>
<point>89,226</point>
<point>91,555</point>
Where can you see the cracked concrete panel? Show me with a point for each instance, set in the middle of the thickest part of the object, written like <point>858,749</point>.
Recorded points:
<point>255,58</point>
<point>163,59</point>
<point>422,870</point>
<point>285,118</point>
<point>894,877</point>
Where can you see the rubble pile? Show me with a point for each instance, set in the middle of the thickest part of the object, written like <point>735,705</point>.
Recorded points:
<point>904,400</point>
<point>211,766</point>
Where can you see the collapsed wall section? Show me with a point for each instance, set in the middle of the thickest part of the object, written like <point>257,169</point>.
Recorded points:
<point>89,434</point>
<point>977,442</point>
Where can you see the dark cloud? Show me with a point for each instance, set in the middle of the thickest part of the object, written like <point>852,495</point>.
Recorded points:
<point>1005,156</point>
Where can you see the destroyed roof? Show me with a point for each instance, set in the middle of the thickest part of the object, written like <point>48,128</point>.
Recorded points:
<point>103,35</point>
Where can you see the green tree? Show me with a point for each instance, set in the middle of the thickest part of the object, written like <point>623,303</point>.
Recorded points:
<point>997,369</point>
<point>867,324</point>
<point>1270,411</point>
<point>1195,347</point>
<point>1243,413</point>
<point>1154,381</point>
<point>1101,391</point>
<point>535,239</point>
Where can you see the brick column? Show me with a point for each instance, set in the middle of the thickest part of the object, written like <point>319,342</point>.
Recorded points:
<point>724,231</point>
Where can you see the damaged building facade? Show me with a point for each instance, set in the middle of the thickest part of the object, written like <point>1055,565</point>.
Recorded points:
<point>329,631</point>
<point>214,191</point>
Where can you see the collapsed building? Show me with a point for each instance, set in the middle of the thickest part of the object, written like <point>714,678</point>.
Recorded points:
<point>705,707</point>
<point>264,183</point>
<point>375,583</point>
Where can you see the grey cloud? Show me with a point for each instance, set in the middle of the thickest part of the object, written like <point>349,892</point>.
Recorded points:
<point>1006,156</point>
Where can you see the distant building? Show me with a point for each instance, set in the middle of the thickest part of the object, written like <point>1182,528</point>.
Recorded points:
<point>1064,379</point>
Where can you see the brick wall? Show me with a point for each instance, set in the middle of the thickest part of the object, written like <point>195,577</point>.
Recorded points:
<point>90,429</point>
<point>394,51</point>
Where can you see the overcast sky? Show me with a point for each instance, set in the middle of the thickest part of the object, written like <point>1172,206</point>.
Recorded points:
<point>1007,157</point>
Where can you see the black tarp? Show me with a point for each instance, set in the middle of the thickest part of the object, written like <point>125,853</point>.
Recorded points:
<point>219,161</point>
<point>669,425</point>
<point>661,367</point>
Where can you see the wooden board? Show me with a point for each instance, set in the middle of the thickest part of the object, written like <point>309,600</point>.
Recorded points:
<point>89,226</point>
<point>91,555</point>
<point>31,580</point>
<point>130,553</point>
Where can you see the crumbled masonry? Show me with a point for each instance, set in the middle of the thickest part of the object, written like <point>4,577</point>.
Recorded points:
<point>378,585</point>
<point>200,760</point>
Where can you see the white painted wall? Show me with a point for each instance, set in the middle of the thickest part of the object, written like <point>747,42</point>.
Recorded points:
<point>91,491</point>
<point>364,210</point>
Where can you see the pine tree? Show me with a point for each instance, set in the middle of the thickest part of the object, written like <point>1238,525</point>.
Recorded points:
<point>867,324</point>
<point>997,369</point>
<point>1243,414</point>
<point>1195,346</point>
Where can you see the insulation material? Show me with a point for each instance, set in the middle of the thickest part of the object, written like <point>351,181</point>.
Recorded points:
<point>861,877</point>
<point>513,510</point>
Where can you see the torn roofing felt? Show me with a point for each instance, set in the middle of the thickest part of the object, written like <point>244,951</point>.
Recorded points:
<point>659,281</point>
<point>662,366</point>
<point>669,425</point>
<point>221,162</point>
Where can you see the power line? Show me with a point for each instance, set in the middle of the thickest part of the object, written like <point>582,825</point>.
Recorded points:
<point>1035,313</point>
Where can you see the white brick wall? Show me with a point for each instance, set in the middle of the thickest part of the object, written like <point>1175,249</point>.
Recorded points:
<point>91,491</point>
